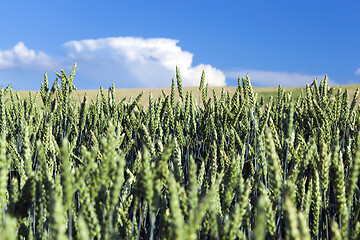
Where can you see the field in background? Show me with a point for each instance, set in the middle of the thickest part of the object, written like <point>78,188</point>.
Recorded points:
<point>266,92</point>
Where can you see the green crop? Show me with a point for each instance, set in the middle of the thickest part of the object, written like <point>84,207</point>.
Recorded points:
<point>227,167</point>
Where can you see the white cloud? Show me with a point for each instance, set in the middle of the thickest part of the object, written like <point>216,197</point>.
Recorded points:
<point>357,72</point>
<point>133,62</point>
<point>24,58</point>
<point>272,78</point>
<point>143,62</point>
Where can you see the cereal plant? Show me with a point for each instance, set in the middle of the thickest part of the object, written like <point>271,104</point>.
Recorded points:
<point>225,167</point>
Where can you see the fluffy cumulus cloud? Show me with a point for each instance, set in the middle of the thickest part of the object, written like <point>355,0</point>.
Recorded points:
<point>21,57</point>
<point>129,62</point>
<point>272,78</point>
<point>133,62</point>
<point>357,72</point>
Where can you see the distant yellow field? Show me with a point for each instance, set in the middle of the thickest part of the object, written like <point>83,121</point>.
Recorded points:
<point>266,92</point>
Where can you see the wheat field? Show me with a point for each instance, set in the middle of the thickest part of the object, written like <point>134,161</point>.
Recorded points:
<point>216,165</point>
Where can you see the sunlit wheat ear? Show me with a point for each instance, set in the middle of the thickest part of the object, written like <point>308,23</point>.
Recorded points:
<point>201,86</point>
<point>4,168</point>
<point>260,226</point>
<point>352,180</point>
<point>179,84</point>
<point>292,226</point>
<point>275,170</point>
<point>355,232</point>
<point>325,161</point>
<point>9,228</point>
<point>56,215</point>
<point>337,175</point>
<point>146,178</point>
<point>2,111</point>
<point>67,182</point>
<point>335,231</point>
<point>315,204</point>
<point>83,228</point>
<point>270,213</point>
<point>177,217</point>
<point>115,192</point>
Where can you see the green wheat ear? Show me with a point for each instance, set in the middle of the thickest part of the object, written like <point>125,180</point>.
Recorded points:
<point>179,84</point>
<point>83,228</point>
<point>202,81</point>
<point>274,167</point>
<point>4,169</point>
<point>315,204</point>
<point>261,220</point>
<point>337,174</point>
<point>56,215</point>
<point>2,111</point>
<point>292,226</point>
<point>146,178</point>
<point>176,213</point>
<point>353,175</point>
<point>9,228</point>
<point>335,231</point>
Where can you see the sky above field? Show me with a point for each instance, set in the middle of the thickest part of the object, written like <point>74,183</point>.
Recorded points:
<point>139,43</point>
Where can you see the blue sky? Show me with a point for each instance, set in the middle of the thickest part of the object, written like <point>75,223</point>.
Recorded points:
<point>139,43</point>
